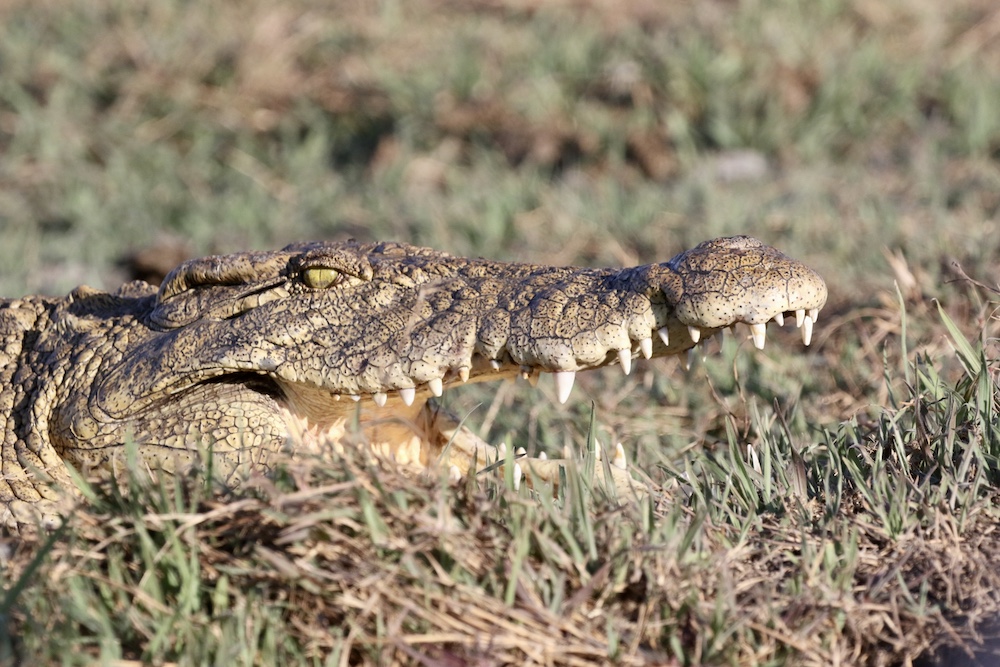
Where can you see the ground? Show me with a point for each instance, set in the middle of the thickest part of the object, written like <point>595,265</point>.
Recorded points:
<point>830,505</point>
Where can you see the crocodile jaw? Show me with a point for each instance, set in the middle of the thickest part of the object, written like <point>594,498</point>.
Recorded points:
<point>408,427</point>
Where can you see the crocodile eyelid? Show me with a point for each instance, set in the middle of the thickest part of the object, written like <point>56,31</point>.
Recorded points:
<point>342,260</point>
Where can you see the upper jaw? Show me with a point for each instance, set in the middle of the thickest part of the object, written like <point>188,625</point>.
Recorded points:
<point>590,319</point>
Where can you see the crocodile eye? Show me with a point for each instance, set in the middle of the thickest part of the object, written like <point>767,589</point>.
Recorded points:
<point>321,277</point>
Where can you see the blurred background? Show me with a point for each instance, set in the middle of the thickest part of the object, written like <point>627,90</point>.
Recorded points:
<point>860,137</point>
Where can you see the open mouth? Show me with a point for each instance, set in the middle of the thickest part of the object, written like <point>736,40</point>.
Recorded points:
<point>408,427</point>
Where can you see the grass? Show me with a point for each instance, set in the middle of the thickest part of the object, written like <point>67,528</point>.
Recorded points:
<point>835,505</point>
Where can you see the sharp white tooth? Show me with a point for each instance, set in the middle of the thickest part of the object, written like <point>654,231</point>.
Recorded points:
<point>759,334</point>
<point>689,359</point>
<point>379,398</point>
<point>664,334</point>
<point>336,397</point>
<point>625,359</point>
<point>799,316</point>
<point>619,461</point>
<point>454,474</point>
<point>646,347</point>
<point>542,456</point>
<point>814,314</point>
<point>518,473</point>
<point>695,334</point>
<point>780,319</point>
<point>495,364</point>
<point>463,374</point>
<point>355,397</point>
<point>807,331</point>
<point>564,384</point>
<point>520,451</point>
<point>436,386</point>
<point>408,394</point>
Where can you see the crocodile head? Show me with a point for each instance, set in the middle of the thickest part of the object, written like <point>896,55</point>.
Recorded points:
<point>315,337</point>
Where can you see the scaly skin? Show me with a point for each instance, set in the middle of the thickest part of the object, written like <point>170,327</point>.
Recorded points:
<point>240,352</point>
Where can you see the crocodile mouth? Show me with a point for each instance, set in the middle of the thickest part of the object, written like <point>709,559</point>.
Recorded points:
<point>408,427</point>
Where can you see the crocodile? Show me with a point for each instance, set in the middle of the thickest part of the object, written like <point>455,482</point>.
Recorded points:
<point>248,354</point>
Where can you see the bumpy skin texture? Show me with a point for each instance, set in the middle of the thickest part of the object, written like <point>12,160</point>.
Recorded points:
<point>245,353</point>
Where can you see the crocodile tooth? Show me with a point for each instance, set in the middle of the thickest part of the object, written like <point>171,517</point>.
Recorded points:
<point>780,319</point>
<point>664,335</point>
<point>380,398</point>
<point>625,359</point>
<point>436,386</point>
<point>799,316</point>
<point>542,456</point>
<point>355,397</point>
<point>759,334</point>
<point>520,451</point>
<point>564,384</point>
<point>336,397</point>
<point>619,461</point>
<point>688,359</point>
<point>463,374</point>
<point>454,474</point>
<point>807,331</point>
<point>518,473</point>
<point>646,347</point>
<point>695,334</point>
<point>495,364</point>
<point>408,394</point>
<point>814,314</point>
